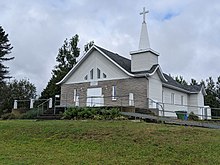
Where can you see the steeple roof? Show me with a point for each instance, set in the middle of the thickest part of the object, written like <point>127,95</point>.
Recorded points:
<point>144,42</point>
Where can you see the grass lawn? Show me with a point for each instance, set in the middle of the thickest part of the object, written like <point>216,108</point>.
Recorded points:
<point>105,142</point>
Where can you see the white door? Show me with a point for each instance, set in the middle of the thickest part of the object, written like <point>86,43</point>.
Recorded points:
<point>94,97</point>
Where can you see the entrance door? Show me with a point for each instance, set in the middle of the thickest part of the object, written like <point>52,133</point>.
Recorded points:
<point>95,97</point>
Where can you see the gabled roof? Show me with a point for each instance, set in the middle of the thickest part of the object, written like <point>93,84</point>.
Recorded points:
<point>122,61</point>
<point>187,88</point>
<point>167,80</point>
<point>125,65</point>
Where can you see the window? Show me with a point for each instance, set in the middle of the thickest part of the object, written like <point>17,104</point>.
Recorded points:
<point>182,100</point>
<point>86,77</point>
<point>104,75</point>
<point>74,95</point>
<point>114,92</point>
<point>131,99</point>
<point>91,74</point>
<point>98,73</point>
<point>172,98</point>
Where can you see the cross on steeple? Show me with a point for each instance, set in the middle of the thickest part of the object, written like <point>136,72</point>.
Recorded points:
<point>144,13</point>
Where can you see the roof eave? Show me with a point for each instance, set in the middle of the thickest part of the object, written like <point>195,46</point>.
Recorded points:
<point>160,73</point>
<point>145,50</point>
<point>179,89</point>
<point>129,74</point>
<point>77,64</point>
<point>84,57</point>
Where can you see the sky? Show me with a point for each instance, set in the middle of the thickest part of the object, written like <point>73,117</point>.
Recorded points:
<point>185,33</point>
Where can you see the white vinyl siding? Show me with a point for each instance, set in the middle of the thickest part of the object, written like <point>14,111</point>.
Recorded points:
<point>95,60</point>
<point>143,61</point>
<point>155,88</point>
<point>174,101</point>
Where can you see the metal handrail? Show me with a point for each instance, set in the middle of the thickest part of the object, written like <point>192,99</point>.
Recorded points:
<point>38,107</point>
<point>158,104</point>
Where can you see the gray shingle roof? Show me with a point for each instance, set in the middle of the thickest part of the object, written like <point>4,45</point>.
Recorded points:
<point>122,61</point>
<point>126,64</point>
<point>190,88</point>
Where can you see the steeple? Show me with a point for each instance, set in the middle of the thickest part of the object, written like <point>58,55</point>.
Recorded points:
<point>144,58</point>
<point>144,42</point>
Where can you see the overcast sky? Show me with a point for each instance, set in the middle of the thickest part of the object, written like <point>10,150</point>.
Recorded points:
<point>185,33</point>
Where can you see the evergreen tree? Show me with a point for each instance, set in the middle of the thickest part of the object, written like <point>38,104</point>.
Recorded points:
<point>210,87</point>
<point>193,82</point>
<point>180,80</point>
<point>88,46</point>
<point>66,59</point>
<point>15,90</point>
<point>218,88</point>
<point>5,49</point>
<point>210,98</point>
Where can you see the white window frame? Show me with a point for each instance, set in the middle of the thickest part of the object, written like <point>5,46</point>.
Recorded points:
<point>114,92</point>
<point>74,95</point>
<point>131,99</point>
<point>172,98</point>
<point>182,100</point>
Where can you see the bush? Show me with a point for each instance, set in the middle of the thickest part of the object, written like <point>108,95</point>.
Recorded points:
<point>114,112</point>
<point>91,113</point>
<point>31,114</point>
<point>85,113</point>
<point>193,116</point>
<point>8,116</point>
<point>70,113</point>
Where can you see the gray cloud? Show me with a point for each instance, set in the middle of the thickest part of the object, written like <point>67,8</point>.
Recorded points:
<point>185,33</point>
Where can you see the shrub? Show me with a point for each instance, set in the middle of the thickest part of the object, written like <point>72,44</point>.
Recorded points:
<point>8,116</point>
<point>91,113</point>
<point>70,113</point>
<point>85,113</point>
<point>114,112</point>
<point>193,116</point>
<point>98,117</point>
<point>30,114</point>
<point>110,114</point>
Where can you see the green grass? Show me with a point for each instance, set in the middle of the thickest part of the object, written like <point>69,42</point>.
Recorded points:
<point>105,142</point>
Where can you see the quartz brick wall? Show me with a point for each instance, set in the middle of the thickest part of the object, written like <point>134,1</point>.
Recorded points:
<point>137,86</point>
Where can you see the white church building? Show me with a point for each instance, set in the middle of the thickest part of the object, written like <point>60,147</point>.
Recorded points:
<point>104,78</point>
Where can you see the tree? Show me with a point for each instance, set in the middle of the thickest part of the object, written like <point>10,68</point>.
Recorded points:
<point>15,90</point>
<point>193,82</point>
<point>88,46</point>
<point>180,80</point>
<point>66,59</point>
<point>210,87</point>
<point>210,98</point>
<point>5,49</point>
<point>218,88</point>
